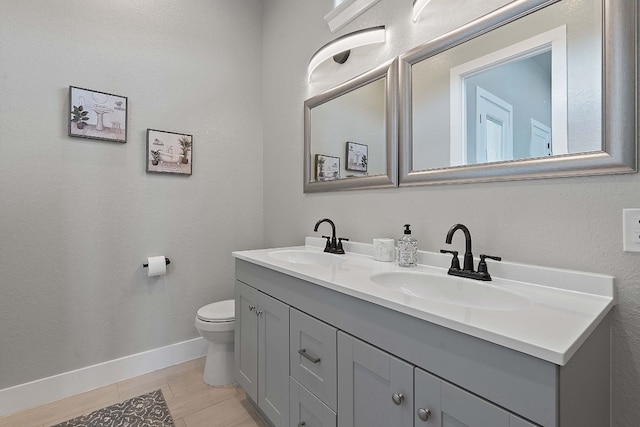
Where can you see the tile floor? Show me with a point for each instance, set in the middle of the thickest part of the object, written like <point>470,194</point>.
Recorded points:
<point>191,402</point>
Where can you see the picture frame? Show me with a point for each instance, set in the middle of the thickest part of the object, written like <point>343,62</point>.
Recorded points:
<point>169,152</point>
<point>357,156</point>
<point>327,167</point>
<point>97,115</point>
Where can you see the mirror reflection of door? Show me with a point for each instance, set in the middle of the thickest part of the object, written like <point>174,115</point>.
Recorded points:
<point>540,139</point>
<point>494,130</point>
<point>494,97</point>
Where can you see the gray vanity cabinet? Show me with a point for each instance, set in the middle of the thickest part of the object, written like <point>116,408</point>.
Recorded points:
<point>246,339</point>
<point>261,339</point>
<point>306,409</point>
<point>374,387</point>
<point>382,354</point>
<point>439,403</point>
<point>313,356</point>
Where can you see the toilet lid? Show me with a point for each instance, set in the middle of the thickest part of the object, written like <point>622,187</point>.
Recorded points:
<point>222,311</point>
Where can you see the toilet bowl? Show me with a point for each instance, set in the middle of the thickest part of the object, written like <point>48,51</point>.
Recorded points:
<point>215,322</point>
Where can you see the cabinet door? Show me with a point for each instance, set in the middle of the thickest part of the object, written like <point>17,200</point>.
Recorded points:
<point>273,359</point>
<point>246,339</point>
<point>306,410</point>
<point>313,356</point>
<point>519,422</point>
<point>450,406</point>
<point>368,378</point>
<point>428,399</point>
<point>460,408</point>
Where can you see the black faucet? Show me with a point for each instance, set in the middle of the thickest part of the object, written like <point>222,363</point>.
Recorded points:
<point>334,245</point>
<point>468,256</point>
<point>467,266</point>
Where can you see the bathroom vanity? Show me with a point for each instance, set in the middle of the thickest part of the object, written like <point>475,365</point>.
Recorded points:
<point>343,340</point>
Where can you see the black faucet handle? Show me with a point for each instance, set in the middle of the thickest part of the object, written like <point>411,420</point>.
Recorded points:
<point>482,265</point>
<point>455,262</point>
<point>339,249</point>
<point>327,247</point>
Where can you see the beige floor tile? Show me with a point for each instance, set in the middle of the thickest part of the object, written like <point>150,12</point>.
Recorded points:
<point>229,413</point>
<point>133,391</point>
<point>190,382</point>
<point>156,379</point>
<point>189,403</point>
<point>10,421</point>
<point>62,410</point>
<point>57,420</point>
<point>180,423</point>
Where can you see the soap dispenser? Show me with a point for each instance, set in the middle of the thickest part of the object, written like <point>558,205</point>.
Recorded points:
<point>407,249</point>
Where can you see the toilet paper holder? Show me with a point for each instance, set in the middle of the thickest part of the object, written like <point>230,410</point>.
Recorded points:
<point>165,260</point>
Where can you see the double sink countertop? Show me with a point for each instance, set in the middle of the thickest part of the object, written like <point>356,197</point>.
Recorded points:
<point>543,312</point>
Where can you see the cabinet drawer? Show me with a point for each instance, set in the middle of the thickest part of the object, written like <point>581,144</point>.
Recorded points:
<point>313,359</point>
<point>307,410</point>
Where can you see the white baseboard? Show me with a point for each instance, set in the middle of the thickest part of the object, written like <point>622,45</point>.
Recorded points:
<point>24,396</point>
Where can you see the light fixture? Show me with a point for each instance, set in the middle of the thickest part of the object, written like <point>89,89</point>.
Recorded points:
<point>418,7</point>
<point>342,45</point>
<point>346,11</point>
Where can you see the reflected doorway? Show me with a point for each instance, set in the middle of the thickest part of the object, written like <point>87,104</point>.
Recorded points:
<point>494,131</point>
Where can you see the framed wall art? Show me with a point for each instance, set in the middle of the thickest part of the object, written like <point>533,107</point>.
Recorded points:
<point>357,157</point>
<point>97,115</point>
<point>327,167</point>
<point>169,152</point>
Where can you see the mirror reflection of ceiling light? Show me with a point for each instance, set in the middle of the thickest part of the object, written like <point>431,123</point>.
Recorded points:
<point>418,7</point>
<point>345,43</point>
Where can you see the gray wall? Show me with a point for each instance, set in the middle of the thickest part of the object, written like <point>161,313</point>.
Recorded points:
<point>78,217</point>
<point>566,223</point>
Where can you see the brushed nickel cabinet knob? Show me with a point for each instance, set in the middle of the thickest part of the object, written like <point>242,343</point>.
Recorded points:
<point>397,398</point>
<point>424,414</point>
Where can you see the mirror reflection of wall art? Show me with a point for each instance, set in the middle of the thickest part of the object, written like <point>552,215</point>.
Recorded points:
<point>327,167</point>
<point>357,156</point>
<point>169,152</point>
<point>97,115</point>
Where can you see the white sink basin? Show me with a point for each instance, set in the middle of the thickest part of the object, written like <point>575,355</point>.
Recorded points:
<point>453,290</point>
<point>307,257</point>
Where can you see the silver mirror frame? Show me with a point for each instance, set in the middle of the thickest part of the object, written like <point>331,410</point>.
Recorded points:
<point>390,179</point>
<point>619,115</point>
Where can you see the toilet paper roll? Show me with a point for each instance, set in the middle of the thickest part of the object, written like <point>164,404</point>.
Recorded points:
<point>157,266</point>
<point>384,250</point>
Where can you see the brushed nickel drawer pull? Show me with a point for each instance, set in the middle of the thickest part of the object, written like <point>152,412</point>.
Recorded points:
<point>303,352</point>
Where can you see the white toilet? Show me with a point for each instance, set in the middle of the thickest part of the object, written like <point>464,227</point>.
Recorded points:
<point>215,322</point>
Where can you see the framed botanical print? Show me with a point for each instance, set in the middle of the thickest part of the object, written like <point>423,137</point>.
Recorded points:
<point>327,167</point>
<point>169,152</point>
<point>357,157</point>
<point>97,115</point>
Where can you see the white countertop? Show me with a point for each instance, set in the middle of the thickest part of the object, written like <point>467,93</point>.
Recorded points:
<point>565,307</point>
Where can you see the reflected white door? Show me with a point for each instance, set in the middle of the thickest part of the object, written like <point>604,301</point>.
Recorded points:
<point>540,139</point>
<point>494,128</point>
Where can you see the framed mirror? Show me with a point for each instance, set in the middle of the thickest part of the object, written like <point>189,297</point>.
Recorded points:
<point>536,89</point>
<point>351,134</point>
